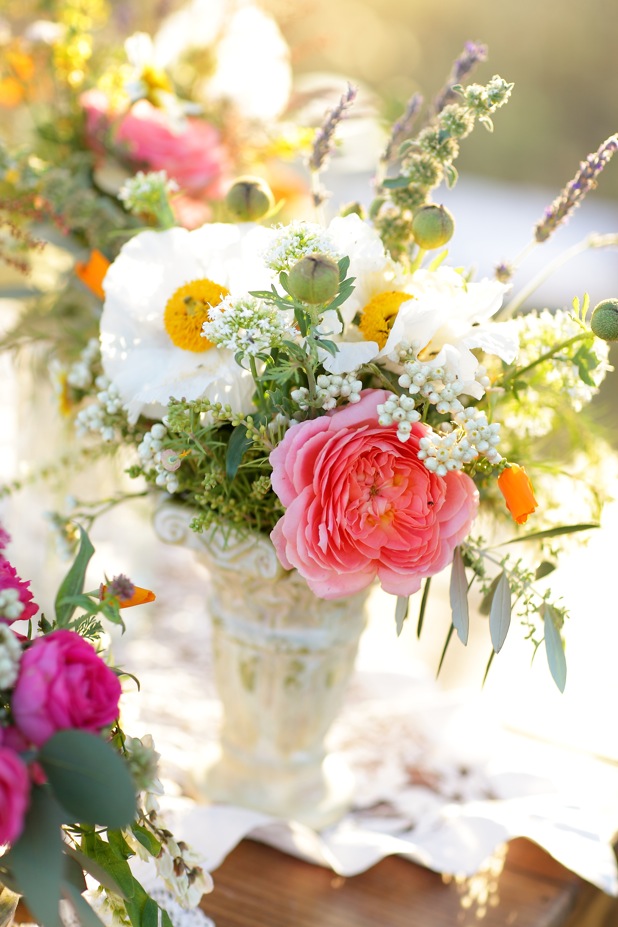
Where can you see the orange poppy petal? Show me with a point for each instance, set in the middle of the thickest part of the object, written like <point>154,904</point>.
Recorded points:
<point>92,272</point>
<point>514,484</point>
<point>140,596</point>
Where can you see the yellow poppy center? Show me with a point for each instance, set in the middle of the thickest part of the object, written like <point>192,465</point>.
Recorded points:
<point>155,81</point>
<point>379,314</point>
<point>187,310</point>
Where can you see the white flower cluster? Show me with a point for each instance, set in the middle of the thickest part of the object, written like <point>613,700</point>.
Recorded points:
<point>11,606</point>
<point>93,418</point>
<point>330,388</point>
<point>247,325</point>
<point>10,652</point>
<point>145,191</point>
<point>400,410</point>
<point>179,868</point>
<point>437,385</point>
<point>538,333</point>
<point>162,460</point>
<point>453,449</point>
<point>294,241</point>
<point>80,373</point>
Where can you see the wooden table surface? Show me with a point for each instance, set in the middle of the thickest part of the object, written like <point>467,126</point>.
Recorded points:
<point>258,886</point>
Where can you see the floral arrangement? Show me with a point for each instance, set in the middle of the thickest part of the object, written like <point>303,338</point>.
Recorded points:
<point>87,107</point>
<point>78,796</point>
<point>338,386</point>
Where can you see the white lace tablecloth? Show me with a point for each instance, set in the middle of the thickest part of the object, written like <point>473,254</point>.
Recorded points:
<point>438,780</point>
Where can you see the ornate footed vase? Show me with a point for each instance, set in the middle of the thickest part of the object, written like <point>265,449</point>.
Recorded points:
<point>282,659</point>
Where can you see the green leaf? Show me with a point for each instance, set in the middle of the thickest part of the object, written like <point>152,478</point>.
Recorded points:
<point>239,442</point>
<point>500,613</point>
<point>147,839</point>
<point>90,780</point>
<point>137,902</point>
<point>401,612</point>
<point>444,649</point>
<point>544,569</point>
<point>94,869</point>
<point>73,582</point>
<point>8,903</point>
<point>554,647</point>
<point>396,183</point>
<point>36,860</point>
<point>458,595</point>
<point>485,606</point>
<point>74,873</point>
<point>552,533</point>
<point>450,175</point>
<point>421,611</point>
<point>85,915</point>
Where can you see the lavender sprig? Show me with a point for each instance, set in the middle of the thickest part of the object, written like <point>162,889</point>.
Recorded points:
<point>323,145</point>
<point>576,189</point>
<point>402,129</point>
<point>474,53</point>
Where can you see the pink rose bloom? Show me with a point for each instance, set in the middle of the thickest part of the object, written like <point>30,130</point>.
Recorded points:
<point>20,608</point>
<point>62,684</point>
<point>14,794</point>
<point>192,155</point>
<point>360,504</point>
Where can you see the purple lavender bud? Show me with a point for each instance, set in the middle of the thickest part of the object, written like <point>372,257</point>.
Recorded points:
<point>474,53</point>
<point>323,143</point>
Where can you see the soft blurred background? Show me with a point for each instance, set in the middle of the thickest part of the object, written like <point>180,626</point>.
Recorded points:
<point>560,57</point>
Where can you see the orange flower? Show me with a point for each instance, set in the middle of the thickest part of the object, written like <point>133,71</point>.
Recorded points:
<point>92,272</point>
<point>515,486</point>
<point>14,85</point>
<point>139,597</point>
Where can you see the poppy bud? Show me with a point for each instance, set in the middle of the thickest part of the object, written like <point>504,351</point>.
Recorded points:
<point>249,199</point>
<point>515,486</point>
<point>432,227</point>
<point>314,279</point>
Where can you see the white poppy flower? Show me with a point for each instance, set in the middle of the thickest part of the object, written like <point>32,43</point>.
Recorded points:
<point>445,318</point>
<point>158,292</point>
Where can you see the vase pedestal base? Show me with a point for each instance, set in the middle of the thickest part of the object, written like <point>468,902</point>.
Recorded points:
<point>316,794</point>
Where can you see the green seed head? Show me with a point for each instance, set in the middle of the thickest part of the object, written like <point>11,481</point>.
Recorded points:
<point>604,320</point>
<point>314,279</point>
<point>432,227</point>
<point>249,199</point>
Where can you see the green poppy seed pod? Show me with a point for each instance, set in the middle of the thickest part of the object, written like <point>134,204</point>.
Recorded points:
<point>604,320</point>
<point>314,279</point>
<point>432,226</point>
<point>249,199</point>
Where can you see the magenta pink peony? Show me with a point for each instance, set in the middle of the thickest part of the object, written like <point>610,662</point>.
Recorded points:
<point>14,794</point>
<point>192,154</point>
<point>14,608</point>
<point>62,684</point>
<point>359,504</point>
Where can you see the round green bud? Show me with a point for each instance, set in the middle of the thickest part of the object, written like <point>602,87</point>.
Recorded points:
<point>432,226</point>
<point>604,320</point>
<point>314,279</point>
<point>249,199</point>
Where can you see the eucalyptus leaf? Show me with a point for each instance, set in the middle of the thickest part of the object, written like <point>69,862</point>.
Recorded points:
<point>239,442</point>
<point>552,533</point>
<point>458,595</point>
<point>94,869</point>
<point>554,647</point>
<point>85,914</point>
<point>74,873</point>
<point>73,582</point>
<point>89,779</point>
<point>485,606</point>
<point>36,860</point>
<point>500,612</point>
<point>544,569</point>
<point>401,612</point>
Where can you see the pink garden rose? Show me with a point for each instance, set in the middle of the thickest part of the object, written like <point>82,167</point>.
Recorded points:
<point>359,504</point>
<point>193,155</point>
<point>20,608</point>
<point>14,794</point>
<point>62,684</point>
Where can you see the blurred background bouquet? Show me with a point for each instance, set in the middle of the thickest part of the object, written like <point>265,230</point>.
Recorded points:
<point>78,796</point>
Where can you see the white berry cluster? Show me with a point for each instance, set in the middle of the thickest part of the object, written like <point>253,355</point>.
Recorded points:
<point>163,461</point>
<point>437,385</point>
<point>95,417</point>
<point>80,373</point>
<point>247,325</point>
<point>471,437</point>
<point>296,240</point>
<point>399,410</point>
<point>329,388</point>
<point>10,652</point>
<point>11,605</point>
